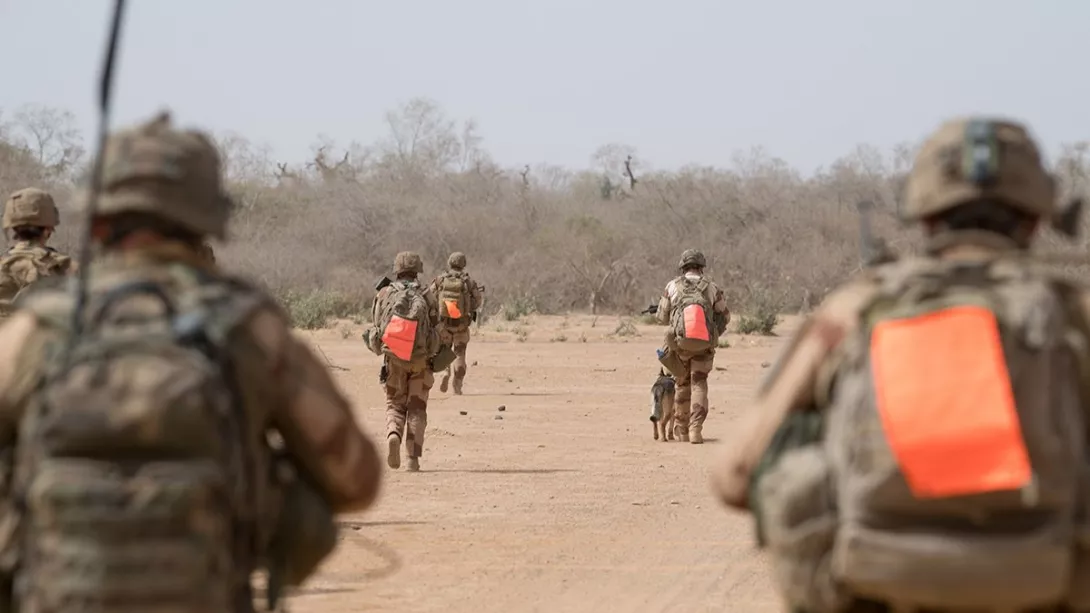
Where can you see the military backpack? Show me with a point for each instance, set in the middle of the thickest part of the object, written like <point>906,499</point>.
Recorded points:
<point>952,472</point>
<point>691,319</point>
<point>455,297</point>
<point>404,325</point>
<point>138,470</point>
<point>21,268</point>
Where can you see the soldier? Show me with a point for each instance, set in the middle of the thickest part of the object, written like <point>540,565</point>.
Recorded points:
<point>922,445</point>
<point>168,435</point>
<point>459,297</point>
<point>30,215</point>
<point>406,318</point>
<point>697,313</point>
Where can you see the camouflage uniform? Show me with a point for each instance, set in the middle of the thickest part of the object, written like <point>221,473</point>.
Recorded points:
<point>691,398</point>
<point>979,188</point>
<point>29,259</point>
<point>281,387</point>
<point>455,332</point>
<point>407,388</point>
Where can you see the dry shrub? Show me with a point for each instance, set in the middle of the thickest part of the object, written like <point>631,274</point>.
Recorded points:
<point>542,239</point>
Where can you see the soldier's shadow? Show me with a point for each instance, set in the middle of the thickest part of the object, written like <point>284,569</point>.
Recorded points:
<point>502,471</point>
<point>441,395</point>
<point>356,525</point>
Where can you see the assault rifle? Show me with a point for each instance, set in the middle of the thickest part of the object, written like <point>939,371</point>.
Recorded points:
<point>383,282</point>
<point>651,310</point>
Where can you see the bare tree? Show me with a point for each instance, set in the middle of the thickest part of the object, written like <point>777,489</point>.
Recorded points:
<point>629,174</point>
<point>51,136</point>
<point>284,176</point>
<point>525,174</point>
<point>330,173</point>
<point>470,144</point>
<point>242,159</point>
<point>422,141</point>
<point>616,162</point>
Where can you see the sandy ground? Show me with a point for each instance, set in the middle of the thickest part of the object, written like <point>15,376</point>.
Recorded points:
<point>562,502</point>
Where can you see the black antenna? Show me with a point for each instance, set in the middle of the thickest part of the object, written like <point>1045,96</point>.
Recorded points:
<point>104,99</point>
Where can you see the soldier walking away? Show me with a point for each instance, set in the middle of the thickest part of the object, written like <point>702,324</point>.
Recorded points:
<point>30,216</point>
<point>163,433</point>
<point>697,314</point>
<point>459,297</point>
<point>406,317</point>
<point>922,445</point>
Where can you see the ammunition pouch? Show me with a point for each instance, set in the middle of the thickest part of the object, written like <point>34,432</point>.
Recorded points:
<point>671,361</point>
<point>372,340</point>
<point>443,359</point>
<point>799,429</point>
<point>305,534</point>
<point>720,321</point>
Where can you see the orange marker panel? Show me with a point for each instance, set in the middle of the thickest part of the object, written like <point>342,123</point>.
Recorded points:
<point>696,324</point>
<point>452,309</point>
<point>400,336</point>
<point>944,396</point>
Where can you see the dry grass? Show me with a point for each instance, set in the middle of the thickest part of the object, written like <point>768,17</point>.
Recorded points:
<point>543,239</point>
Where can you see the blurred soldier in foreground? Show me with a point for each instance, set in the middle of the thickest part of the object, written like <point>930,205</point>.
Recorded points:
<point>168,436</point>
<point>923,444</point>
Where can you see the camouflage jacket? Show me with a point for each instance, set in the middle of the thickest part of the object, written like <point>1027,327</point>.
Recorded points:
<point>474,295</point>
<point>23,264</point>
<point>296,397</point>
<point>714,295</point>
<point>429,295</point>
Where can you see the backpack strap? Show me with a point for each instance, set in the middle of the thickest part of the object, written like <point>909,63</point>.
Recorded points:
<point>114,295</point>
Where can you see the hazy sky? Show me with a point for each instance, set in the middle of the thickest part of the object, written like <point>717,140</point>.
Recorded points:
<point>551,80</point>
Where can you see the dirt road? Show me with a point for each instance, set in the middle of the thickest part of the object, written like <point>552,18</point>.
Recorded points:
<point>562,502</point>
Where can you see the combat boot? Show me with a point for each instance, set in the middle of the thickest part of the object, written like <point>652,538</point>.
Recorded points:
<point>695,435</point>
<point>393,456</point>
<point>681,433</point>
<point>444,382</point>
<point>414,465</point>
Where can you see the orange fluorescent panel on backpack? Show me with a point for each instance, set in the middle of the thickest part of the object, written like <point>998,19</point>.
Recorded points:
<point>944,396</point>
<point>452,309</point>
<point>400,337</point>
<point>696,324</point>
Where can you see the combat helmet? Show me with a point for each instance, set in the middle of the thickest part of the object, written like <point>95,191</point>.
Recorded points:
<point>457,260</point>
<point>408,262</point>
<point>172,174</point>
<point>979,158</point>
<point>692,257</point>
<point>31,207</point>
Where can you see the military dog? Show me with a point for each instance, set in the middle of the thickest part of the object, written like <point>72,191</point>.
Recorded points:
<point>662,406</point>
